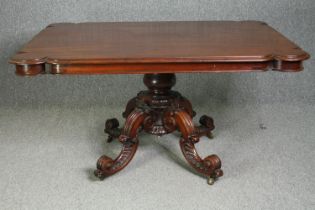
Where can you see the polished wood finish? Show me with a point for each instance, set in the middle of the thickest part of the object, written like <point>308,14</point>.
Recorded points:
<point>158,50</point>
<point>128,137</point>
<point>158,47</point>
<point>160,111</point>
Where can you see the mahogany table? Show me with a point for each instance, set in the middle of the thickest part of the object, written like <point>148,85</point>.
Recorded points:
<point>158,50</point>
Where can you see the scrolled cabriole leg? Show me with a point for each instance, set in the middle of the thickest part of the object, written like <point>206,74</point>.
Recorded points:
<point>209,166</point>
<point>106,166</point>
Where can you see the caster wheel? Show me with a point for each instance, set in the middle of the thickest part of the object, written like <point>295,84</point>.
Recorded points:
<point>210,181</point>
<point>99,174</point>
<point>210,135</point>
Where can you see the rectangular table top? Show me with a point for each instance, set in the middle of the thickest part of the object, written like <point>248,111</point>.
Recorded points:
<point>158,47</point>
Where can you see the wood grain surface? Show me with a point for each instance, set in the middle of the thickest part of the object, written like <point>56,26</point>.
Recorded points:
<point>158,47</point>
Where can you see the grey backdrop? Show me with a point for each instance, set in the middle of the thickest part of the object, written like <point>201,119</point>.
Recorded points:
<point>51,127</point>
<point>20,20</point>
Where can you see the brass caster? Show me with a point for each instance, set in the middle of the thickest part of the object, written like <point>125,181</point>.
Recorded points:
<point>210,136</point>
<point>98,173</point>
<point>211,181</point>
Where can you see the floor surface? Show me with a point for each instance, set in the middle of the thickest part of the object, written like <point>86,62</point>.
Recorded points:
<point>47,158</point>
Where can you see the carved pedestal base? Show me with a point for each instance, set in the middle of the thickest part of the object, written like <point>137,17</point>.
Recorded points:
<point>159,111</point>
